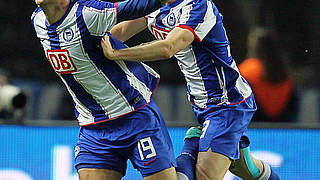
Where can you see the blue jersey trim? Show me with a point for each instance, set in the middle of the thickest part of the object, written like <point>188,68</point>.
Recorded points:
<point>99,5</point>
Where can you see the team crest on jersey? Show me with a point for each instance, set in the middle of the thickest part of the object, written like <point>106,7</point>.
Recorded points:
<point>171,19</point>
<point>61,61</point>
<point>68,34</point>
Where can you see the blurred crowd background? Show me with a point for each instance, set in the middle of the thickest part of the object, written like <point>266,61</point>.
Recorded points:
<point>276,44</point>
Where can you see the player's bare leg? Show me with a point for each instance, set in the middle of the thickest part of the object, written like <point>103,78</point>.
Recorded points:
<point>250,168</point>
<point>104,174</point>
<point>98,174</point>
<point>241,169</point>
<point>168,174</point>
<point>211,166</point>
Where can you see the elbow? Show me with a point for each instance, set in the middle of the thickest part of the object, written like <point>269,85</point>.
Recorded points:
<point>167,51</point>
<point>167,55</point>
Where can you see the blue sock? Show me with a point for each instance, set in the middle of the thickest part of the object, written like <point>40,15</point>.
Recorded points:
<point>187,159</point>
<point>273,176</point>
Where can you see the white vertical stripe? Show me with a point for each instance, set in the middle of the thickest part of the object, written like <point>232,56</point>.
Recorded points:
<point>40,28</point>
<point>223,86</point>
<point>135,82</point>
<point>228,48</point>
<point>85,115</point>
<point>242,87</point>
<point>99,21</point>
<point>189,67</point>
<point>151,71</point>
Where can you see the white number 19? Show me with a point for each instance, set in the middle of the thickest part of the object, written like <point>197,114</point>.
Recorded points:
<point>146,145</point>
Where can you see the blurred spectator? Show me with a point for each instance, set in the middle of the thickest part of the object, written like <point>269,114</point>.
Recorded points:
<point>12,99</point>
<point>292,21</point>
<point>267,72</point>
<point>235,20</point>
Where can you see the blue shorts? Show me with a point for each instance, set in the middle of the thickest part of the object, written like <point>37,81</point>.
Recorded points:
<point>141,136</point>
<point>225,127</point>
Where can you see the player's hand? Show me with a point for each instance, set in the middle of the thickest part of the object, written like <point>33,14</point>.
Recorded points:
<point>107,49</point>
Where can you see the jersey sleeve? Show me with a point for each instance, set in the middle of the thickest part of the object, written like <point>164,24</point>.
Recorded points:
<point>199,17</point>
<point>33,16</point>
<point>99,16</point>
<point>132,9</point>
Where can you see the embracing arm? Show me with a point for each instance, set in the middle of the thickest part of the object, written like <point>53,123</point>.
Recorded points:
<point>132,9</point>
<point>126,29</point>
<point>176,40</point>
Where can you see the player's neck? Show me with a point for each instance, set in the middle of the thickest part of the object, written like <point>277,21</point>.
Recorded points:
<point>54,11</point>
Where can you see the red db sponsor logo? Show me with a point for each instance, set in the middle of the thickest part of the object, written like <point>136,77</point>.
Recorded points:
<point>61,61</point>
<point>159,33</point>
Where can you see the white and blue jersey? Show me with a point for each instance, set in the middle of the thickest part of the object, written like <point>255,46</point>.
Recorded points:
<point>101,89</point>
<point>210,71</point>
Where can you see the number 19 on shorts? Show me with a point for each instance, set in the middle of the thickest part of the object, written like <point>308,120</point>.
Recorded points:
<point>146,148</point>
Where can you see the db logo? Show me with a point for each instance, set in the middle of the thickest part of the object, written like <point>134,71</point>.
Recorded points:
<point>61,61</point>
<point>159,33</point>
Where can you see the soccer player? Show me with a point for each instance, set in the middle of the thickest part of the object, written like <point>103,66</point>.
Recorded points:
<point>118,119</point>
<point>193,32</point>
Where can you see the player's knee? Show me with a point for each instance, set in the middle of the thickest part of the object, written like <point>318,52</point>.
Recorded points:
<point>169,173</point>
<point>202,172</point>
<point>98,174</point>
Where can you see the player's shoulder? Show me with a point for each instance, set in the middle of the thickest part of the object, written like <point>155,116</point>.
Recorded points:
<point>36,12</point>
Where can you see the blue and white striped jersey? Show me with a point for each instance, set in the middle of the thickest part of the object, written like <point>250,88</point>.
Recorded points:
<point>101,89</point>
<point>211,73</point>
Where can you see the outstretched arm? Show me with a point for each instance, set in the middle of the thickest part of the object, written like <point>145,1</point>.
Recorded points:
<point>132,9</point>
<point>126,29</point>
<point>176,40</point>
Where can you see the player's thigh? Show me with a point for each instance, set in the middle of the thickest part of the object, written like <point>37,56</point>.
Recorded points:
<point>168,174</point>
<point>153,156</point>
<point>153,152</point>
<point>98,174</point>
<point>247,167</point>
<point>219,141</point>
<point>211,165</point>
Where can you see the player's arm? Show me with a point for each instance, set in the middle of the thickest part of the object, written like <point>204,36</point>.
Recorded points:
<point>126,29</point>
<point>101,16</point>
<point>176,40</point>
<point>132,9</point>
